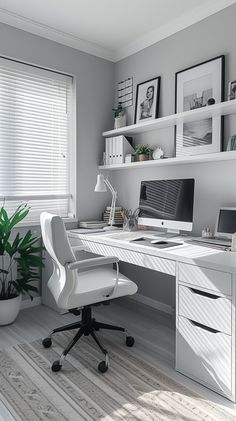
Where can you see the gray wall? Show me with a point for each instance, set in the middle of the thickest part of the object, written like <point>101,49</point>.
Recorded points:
<point>215,182</point>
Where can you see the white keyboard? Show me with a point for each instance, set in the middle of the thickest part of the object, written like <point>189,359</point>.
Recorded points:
<point>224,242</point>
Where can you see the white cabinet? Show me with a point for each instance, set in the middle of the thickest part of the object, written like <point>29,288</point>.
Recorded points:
<point>205,327</point>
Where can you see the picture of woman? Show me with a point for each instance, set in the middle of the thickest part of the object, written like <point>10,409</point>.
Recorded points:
<point>147,100</point>
<point>146,105</point>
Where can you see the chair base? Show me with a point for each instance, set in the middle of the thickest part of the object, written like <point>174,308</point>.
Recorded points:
<point>87,326</point>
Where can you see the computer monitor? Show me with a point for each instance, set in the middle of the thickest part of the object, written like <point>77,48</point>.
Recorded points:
<point>226,223</point>
<point>167,204</point>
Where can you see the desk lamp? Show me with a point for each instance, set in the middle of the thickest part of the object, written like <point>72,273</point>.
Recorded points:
<point>101,187</point>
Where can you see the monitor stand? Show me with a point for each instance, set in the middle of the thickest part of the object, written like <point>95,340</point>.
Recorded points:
<point>168,233</point>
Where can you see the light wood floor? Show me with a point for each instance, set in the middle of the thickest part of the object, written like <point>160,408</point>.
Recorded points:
<point>154,333</point>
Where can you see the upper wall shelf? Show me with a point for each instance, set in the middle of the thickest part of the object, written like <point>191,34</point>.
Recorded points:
<point>216,110</point>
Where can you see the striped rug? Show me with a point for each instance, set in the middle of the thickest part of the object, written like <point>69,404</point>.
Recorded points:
<point>132,389</point>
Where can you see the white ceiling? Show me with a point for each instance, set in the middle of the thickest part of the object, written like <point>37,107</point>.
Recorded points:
<point>109,29</point>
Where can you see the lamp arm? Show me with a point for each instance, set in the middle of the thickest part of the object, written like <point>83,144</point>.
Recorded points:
<point>113,203</point>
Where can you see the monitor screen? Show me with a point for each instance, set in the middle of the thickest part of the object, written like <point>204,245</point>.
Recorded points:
<point>167,203</point>
<point>227,221</point>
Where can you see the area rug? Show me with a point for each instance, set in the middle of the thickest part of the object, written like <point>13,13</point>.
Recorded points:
<point>132,389</point>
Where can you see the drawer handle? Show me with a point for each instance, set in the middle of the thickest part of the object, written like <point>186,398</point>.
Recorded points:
<point>209,329</point>
<point>204,294</point>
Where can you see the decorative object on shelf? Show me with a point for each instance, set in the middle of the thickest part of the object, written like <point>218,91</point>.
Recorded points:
<point>101,187</point>
<point>231,146</point>
<point>232,90</point>
<point>120,117</point>
<point>158,153</point>
<point>125,92</point>
<point>129,157</point>
<point>211,101</point>
<point>194,86</point>
<point>19,261</point>
<point>147,100</point>
<point>130,219</point>
<point>144,152</point>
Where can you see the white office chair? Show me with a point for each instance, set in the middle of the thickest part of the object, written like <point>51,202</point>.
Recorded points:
<point>80,284</point>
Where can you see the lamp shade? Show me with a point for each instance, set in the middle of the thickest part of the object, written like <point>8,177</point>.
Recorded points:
<point>100,186</point>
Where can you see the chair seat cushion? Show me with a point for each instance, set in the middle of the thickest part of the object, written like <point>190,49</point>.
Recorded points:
<point>96,285</point>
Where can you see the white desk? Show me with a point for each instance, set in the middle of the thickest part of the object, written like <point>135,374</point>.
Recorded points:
<point>205,300</point>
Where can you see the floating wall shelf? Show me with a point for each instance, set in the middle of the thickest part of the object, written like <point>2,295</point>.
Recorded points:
<point>216,110</point>
<point>193,159</point>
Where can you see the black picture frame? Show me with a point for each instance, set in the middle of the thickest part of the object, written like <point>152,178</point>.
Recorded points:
<point>215,146</point>
<point>143,102</point>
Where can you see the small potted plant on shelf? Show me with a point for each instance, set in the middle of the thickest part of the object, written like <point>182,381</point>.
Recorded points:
<point>119,115</point>
<point>20,261</point>
<point>144,152</point>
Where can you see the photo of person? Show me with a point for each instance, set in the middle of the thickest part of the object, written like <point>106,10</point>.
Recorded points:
<point>146,105</point>
<point>147,100</point>
<point>232,90</point>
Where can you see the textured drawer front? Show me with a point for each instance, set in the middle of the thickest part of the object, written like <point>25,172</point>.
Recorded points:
<point>206,278</point>
<point>204,356</point>
<point>140,259</point>
<point>208,309</point>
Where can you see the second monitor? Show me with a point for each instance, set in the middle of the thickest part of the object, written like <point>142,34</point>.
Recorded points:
<point>167,204</point>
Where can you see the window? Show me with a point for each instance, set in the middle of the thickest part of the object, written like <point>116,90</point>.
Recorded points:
<point>36,139</point>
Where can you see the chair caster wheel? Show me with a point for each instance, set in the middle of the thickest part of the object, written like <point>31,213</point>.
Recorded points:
<point>56,366</point>
<point>102,367</point>
<point>47,342</point>
<point>129,341</point>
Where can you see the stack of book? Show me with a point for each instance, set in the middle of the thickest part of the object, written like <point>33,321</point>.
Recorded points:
<point>118,220</point>
<point>116,148</point>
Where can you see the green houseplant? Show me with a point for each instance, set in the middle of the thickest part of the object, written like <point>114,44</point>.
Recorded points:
<point>144,152</point>
<point>20,261</point>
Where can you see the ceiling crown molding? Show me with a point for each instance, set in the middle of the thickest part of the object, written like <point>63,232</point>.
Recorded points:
<point>29,25</point>
<point>199,13</point>
<point>174,26</point>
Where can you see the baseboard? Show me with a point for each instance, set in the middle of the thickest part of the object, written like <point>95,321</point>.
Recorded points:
<point>28,303</point>
<point>152,303</point>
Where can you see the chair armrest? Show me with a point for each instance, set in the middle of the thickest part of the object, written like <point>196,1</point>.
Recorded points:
<point>89,263</point>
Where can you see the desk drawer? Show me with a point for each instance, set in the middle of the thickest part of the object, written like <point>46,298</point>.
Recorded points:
<point>136,258</point>
<point>205,308</point>
<point>204,355</point>
<point>205,278</point>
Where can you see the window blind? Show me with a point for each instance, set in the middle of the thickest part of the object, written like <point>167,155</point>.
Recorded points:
<point>35,138</point>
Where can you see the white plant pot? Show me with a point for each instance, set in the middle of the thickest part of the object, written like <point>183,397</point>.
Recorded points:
<point>9,310</point>
<point>120,122</point>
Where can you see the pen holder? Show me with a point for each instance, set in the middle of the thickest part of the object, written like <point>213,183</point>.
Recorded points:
<point>130,224</point>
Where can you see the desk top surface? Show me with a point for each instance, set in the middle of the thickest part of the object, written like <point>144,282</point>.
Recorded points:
<point>185,252</point>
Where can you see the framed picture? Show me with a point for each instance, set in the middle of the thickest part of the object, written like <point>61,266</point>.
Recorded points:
<point>197,87</point>
<point>232,90</point>
<point>231,146</point>
<point>147,100</point>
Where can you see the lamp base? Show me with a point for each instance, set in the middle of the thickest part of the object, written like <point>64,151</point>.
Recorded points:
<point>110,228</point>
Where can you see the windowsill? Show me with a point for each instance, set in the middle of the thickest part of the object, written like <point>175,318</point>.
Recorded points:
<point>37,223</point>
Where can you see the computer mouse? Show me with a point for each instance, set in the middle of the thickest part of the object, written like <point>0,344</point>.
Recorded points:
<point>159,242</point>
<point>138,239</point>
